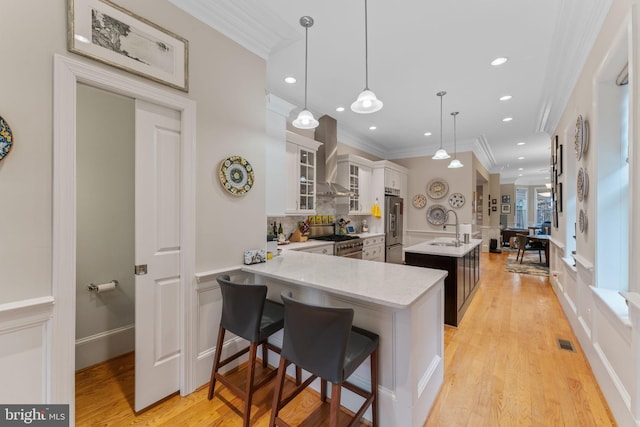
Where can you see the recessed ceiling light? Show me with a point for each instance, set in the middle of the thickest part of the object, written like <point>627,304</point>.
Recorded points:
<point>520,143</point>
<point>372,128</point>
<point>291,80</point>
<point>427,134</point>
<point>340,109</point>
<point>499,61</point>
<point>519,174</point>
<point>521,158</point>
<point>507,119</point>
<point>520,169</point>
<point>505,98</point>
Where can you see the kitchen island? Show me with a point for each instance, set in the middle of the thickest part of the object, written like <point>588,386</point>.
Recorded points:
<point>403,304</point>
<point>463,265</point>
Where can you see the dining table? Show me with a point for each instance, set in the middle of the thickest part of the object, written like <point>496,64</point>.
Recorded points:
<point>544,239</point>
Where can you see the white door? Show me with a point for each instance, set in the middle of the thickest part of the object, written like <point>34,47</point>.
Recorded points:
<point>157,244</point>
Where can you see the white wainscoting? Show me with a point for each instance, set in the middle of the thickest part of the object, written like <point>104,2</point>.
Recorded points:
<point>105,345</point>
<point>600,321</point>
<point>209,303</point>
<point>25,351</point>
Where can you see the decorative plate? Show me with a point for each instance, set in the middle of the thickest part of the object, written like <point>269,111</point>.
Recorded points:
<point>236,175</point>
<point>437,214</point>
<point>437,188</point>
<point>456,200</point>
<point>582,221</point>
<point>581,137</point>
<point>6,139</point>
<point>419,201</point>
<point>582,184</point>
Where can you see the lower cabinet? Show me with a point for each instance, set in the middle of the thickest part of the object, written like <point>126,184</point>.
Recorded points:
<point>373,248</point>
<point>461,283</point>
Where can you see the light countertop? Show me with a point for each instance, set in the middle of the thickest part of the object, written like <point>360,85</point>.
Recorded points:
<point>391,285</point>
<point>312,243</point>
<point>450,251</point>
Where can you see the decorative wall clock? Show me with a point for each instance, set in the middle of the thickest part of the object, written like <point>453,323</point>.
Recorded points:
<point>236,175</point>
<point>419,201</point>
<point>437,188</point>
<point>437,214</point>
<point>6,139</point>
<point>456,200</point>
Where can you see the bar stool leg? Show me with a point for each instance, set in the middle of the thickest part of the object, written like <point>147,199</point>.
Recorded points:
<point>216,361</point>
<point>277,392</point>
<point>265,355</point>
<point>336,391</point>
<point>374,387</point>
<point>323,390</point>
<point>253,348</point>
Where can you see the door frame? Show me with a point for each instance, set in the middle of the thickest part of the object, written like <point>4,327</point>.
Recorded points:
<point>68,72</point>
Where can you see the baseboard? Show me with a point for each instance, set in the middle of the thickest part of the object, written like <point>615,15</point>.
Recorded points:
<point>104,346</point>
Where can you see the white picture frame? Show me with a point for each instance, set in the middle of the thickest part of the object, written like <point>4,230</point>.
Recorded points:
<point>106,32</point>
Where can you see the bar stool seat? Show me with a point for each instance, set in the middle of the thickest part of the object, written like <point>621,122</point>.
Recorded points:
<point>247,313</point>
<point>323,341</point>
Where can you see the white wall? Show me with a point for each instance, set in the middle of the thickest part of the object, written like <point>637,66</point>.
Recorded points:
<point>228,84</point>
<point>105,139</point>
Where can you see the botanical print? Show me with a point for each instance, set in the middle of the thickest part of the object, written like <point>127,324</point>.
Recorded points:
<point>128,41</point>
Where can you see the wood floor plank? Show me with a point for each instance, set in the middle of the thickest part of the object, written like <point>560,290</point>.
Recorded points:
<point>503,367</point>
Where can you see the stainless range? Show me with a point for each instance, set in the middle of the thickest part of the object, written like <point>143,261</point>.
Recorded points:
<point>345,245</point>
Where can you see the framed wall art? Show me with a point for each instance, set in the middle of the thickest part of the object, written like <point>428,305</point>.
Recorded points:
<point>506,198</point>
<point>505,208</point>
<point>106,32</point>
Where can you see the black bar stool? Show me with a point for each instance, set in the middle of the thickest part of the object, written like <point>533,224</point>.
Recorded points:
<point>323,341</point>
<point>248,313</point>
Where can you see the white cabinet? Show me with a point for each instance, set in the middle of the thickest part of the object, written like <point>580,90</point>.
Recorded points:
<point>354,173</point>
<point>392,181</point>
<point>324,249</point>
<point>301,174</point>
<point>373,248</point>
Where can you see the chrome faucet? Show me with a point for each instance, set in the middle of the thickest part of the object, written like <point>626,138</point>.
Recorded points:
<point>457,224</point>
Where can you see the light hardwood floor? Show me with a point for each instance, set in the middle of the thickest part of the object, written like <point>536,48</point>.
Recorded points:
<point>503,367</point>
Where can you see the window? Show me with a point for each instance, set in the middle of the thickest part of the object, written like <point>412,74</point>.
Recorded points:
<point>521,208</point>
<point>542,206</point>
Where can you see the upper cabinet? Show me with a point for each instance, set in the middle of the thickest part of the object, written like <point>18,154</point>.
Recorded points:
<point>354,173</point>
<point>301,174</point>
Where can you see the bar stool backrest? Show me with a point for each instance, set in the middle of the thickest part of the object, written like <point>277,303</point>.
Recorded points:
<point>242,307</point>
<point>316,338</point>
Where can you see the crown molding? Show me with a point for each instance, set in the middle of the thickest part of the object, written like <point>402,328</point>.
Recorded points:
<point>577,28</point>
<point>250,23</point>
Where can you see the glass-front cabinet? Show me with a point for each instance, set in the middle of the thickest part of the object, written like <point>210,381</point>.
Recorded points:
<point>301,174</point>
<point>354,173</point>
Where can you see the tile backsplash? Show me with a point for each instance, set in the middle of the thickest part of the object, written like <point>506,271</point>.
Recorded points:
<point>325,206</point>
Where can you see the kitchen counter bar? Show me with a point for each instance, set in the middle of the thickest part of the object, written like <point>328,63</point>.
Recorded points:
<point>432,248</point>
<point>402,304</point>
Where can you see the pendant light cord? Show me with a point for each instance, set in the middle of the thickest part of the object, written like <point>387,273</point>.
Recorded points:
<point>306,60</point>
<point>366,49</point>
<point>455,148</point>
<point>441,95</point>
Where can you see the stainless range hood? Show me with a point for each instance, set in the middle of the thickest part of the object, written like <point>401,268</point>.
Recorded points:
<point>327,133</point>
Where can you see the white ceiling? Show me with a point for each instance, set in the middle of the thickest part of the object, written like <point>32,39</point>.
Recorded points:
<point>417,48</point>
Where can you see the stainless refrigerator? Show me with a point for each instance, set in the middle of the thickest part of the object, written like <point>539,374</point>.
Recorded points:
<point>393,212</point>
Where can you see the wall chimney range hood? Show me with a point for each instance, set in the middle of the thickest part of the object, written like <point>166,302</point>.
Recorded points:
<point>327,133</point>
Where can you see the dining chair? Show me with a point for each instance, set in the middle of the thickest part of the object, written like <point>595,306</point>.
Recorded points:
<point>524,245</point>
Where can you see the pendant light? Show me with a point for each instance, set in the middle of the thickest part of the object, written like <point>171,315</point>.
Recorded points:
<point>455,163</point>
<point>367,101</point>
<point>441,154</point>
<point>305,119</point>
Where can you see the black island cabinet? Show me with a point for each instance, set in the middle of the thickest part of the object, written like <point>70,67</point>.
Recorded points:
<point>461,283</point>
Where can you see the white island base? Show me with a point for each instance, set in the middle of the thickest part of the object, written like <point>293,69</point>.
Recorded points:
<point>404,305</point>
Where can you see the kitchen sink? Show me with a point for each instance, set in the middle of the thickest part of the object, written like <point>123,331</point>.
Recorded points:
<point>442,243</point>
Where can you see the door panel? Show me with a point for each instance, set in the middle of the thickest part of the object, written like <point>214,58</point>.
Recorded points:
<point>157,204</point>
